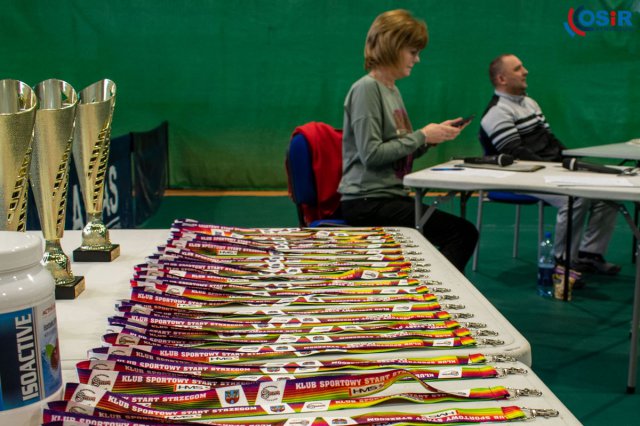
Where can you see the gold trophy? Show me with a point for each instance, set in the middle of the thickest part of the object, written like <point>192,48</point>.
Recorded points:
<point>90,154</point>
<point>53,136</point>
<point>17,115</point>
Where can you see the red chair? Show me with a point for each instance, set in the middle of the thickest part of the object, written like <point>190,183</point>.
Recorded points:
<point>314,170</point>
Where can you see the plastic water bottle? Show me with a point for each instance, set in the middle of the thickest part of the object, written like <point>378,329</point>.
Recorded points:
<point>546,265</point>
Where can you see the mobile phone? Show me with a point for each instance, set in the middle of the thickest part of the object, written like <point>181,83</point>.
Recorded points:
<point>463,121</point>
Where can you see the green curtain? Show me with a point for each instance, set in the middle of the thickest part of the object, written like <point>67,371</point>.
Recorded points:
<point>234,78</point>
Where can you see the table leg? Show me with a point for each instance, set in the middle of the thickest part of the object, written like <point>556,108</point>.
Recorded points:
<point>464,197</point>
<point>567,249</point>
<point>635,323</point>
<point>422,218</point>
<point>635,239</point>
<point>476,251</point>
<point>635,318</point>
<point>418,206</point>
<point>634,245</point>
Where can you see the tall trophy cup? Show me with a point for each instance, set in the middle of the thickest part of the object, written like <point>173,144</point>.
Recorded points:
<point>90,154</point>
<point>17,115</point>
<point>53,136</point>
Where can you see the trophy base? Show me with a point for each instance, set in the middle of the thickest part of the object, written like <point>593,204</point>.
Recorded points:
<point>70,291</point>
<point>82,255</point>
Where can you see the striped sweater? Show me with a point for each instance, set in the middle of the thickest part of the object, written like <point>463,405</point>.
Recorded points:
<point>515,125</point>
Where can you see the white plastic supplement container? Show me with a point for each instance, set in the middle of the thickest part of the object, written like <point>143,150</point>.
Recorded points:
<point>30,373</point>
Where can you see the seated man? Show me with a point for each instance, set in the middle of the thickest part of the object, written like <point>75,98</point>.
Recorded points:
<point>514,124</point>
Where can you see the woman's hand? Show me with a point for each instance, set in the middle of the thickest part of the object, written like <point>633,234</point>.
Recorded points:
<point>437,133</point>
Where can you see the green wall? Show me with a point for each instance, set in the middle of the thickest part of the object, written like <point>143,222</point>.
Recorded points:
<point>234,78</point>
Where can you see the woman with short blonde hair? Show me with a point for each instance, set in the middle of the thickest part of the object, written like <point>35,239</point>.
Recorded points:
<point>379,143</point>
<point>389,33</point>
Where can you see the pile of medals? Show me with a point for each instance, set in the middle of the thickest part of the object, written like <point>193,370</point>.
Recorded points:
<point>307,327</point>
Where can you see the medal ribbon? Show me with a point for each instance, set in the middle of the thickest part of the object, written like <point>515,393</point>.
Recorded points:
<point>295,320</point>
<point>262,257</point>
<point>341,391</point>
<point>263,237</point>
<point>154,383</point>
<point>284,349</point>
<point>139,295</point>
<point>219,364</point>
<point>143,360</point>
<point>170,338</point>
<point>194,226</point>
<point>202,292</point>
<point>285,244</point>
<point>445,416</point>
<point>424,312</point>
<point>308,236</point>
<point>261,316</point>
<point>178,276</point>
<point>311,265</point>
<point>198,271</point>
<point>307,335</point>
<point>191,281</point>
<point>294,273</point>
<point>292,325</point>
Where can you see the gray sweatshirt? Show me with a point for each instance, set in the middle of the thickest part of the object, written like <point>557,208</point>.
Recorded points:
<point>378,143</point>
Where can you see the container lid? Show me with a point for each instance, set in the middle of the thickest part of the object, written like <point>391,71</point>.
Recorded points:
<point>19,249</point>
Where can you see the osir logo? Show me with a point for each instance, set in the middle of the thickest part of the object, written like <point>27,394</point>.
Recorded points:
<point>581,20</point>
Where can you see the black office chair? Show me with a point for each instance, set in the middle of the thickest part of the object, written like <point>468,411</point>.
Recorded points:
<point>507,197</point>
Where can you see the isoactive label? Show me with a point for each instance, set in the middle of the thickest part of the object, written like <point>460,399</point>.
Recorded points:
<point>30,356</point>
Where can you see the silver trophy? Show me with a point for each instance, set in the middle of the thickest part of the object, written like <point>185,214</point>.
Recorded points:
<point>17,115</point>
<point>90,154</point>
<point>53,136</point>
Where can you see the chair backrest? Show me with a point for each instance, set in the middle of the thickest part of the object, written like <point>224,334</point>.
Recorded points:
<point>315,149</point>
<point>504,196</point>
<point>302,181</point>
<point>487,146</point>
